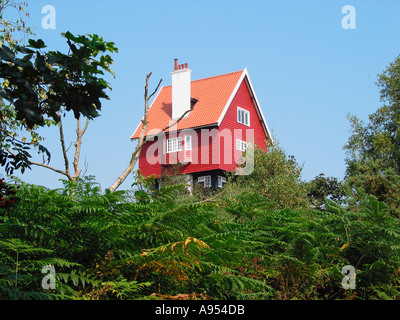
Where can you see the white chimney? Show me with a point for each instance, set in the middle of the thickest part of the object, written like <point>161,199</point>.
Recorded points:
<point>180,90</point>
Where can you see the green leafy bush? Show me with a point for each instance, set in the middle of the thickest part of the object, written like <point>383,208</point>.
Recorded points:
<point>237,244</point>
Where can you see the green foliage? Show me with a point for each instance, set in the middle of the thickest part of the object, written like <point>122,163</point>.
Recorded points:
<point>77,221</point>
<point>260,238</point>
<point>321,189</point>
<point>373,149</point>
<point>20,272</point>
<point>380,138</point>
<point>41,83</point>
<point>39,86</point>
<point>8,195</point>
<point>277,177</point>
<point>372,178</point>
<point>124,289</point>
<point>168,245</point>
<point>372,247</point>
<point>8,27</point>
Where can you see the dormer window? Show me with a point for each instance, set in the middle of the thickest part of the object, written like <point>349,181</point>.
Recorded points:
<point>243,116</point>
<point>193,101</point>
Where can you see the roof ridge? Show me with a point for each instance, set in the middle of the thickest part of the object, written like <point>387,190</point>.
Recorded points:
<point>208,78</point>
<point>221,75</point>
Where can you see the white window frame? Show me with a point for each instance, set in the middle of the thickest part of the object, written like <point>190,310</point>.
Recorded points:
<point>206,180</point>
<point>241,145</point>
<point>174,144</point>
<point>221,181</point>
<point>242,116</point>
<point>188,142</point>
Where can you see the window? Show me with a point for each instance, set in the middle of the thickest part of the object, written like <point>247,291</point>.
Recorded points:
<point>243,116</point>
<point>241,145</point>
<point>188,142</point>
<point>206,180</point>
<point>174,144</point>
<point>221,180</point>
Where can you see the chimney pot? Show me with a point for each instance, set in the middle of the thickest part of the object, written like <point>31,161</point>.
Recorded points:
<point>181,91</point>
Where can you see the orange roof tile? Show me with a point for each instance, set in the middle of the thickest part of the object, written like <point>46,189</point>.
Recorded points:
<point>212,94</point>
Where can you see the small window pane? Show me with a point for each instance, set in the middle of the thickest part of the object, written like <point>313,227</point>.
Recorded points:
<point>188,143</point>
<point>241,145</point>
<point>169,145</point>
<point>221,181</point>
<point>179,144</point>
<point>174,144</point>
<point>207,181</point>
<point>243,116</point>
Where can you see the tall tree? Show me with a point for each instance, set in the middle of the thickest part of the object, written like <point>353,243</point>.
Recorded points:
<point>13,31</point>
<point>373,149</point>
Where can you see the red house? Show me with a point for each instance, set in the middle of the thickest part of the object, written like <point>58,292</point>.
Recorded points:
<point>219,117</point>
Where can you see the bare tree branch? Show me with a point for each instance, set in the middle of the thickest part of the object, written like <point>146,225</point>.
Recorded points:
<point>78,145</point>
<point>65,173</point>
<point>69,147</point>
<point>86,168</point>
<point>159,83</point>
<point>171,125</point>
<point>64,150</point>
<point>213,199</point>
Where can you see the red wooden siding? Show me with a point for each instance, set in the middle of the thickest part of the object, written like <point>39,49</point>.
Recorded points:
<point>150,165</point>
<point>243,100</point>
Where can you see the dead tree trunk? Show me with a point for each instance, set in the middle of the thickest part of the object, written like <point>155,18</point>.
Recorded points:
<point>141,140</point>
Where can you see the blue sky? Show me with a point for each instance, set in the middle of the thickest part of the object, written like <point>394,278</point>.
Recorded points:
<point>308,72</point>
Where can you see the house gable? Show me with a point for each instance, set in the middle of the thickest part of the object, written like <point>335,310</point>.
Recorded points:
<point>254,131</point>
<point>245,78</point>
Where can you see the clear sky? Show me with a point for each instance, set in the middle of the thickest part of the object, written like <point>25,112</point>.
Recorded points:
<point>307,70</point>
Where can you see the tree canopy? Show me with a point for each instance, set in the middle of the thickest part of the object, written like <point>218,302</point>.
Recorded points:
<point>373,149</point>
<point>39,86</point>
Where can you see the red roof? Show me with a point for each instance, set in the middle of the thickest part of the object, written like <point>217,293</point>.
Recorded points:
<point>212,94</point>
